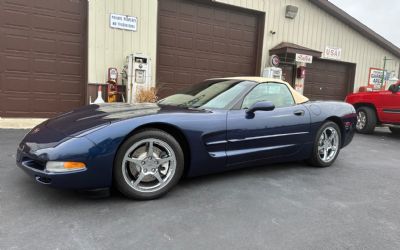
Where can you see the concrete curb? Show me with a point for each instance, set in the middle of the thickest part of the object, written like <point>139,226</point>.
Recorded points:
<point>19,123</point>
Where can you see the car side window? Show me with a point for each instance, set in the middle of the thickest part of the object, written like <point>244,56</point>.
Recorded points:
<point>277,93</point>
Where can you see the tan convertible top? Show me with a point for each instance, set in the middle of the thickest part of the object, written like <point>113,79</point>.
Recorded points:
<point>298,98</point>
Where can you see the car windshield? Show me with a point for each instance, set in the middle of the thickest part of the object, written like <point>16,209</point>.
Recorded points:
<point>208,95</point>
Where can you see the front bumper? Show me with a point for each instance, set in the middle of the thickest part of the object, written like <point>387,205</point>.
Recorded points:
<point>33,156</point>
<point>60,180</point>
<point>70,180</point>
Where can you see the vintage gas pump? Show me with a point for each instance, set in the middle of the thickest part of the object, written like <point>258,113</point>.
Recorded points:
<point>301,72</point>
<point>138,74</point>
<point>112,88</point>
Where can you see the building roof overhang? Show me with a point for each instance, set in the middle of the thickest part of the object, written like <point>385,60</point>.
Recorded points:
<point>285,48</point>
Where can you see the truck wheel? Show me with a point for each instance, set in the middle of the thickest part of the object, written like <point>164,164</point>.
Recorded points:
<point>366,120</point>
<point>395,131</point>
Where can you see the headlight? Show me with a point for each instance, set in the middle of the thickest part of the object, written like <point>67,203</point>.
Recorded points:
<point>61,166</point>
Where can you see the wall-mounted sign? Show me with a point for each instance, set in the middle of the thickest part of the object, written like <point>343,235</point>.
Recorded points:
<point>333,53</point>
<point>274,60</point>
<point>303,58</point>
<point>375,78</point>
<point>123,22</point>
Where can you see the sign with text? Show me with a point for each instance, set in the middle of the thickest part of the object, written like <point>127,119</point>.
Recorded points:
<point>333,53</point>
<point>375,78</point>
<point>303,58</point>
<point>123,22</point>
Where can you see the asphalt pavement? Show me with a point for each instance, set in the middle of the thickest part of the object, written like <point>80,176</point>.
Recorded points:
<point>354,204</point>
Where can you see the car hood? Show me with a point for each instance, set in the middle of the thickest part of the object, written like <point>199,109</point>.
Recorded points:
<point>86,119</point>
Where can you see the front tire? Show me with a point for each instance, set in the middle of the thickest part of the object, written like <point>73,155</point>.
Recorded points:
<point>148,165</point>
<point>395,131</point>
<point>326,145</point>
<point>366,120</point>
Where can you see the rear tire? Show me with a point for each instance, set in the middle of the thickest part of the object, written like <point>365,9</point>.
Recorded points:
<point>327,145</point>
<point>395,131</point>
<point>148,165</point>
<point>366,120</point>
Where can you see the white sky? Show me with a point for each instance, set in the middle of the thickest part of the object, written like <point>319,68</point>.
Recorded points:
<point>382,16</point>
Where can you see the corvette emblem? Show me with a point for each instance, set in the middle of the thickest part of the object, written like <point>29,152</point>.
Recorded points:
<point>35,130</point>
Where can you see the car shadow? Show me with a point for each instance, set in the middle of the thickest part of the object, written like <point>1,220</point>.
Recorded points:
<point>53,196</point>
<point>272,170</point>
<point>382,132</point>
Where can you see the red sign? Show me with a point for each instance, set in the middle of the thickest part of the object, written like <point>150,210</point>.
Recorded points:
<point>275,60</point>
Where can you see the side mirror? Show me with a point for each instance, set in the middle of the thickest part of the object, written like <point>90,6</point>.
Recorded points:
<point>392,88</point>
<point>261,106</point>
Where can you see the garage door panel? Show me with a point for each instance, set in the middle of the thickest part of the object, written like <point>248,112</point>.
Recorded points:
<point>15,42</point>
<point>14,102</point>
<point>69,26</point>
<point>184,43</point>
<point>42,54</point>
<point>41,65</point>
<point>186,9</point>
<point>218,65</point>
<point>70,86</point>
<point>17,63</point>
<point>41,103</point>
<point>203,45</point>
<point>205,12</point>
<point>70,68</point>
<point>45,85</point>
<point>327,80</point>
<point>219,47</point>
<point>219,31</point>
<point>182,77</point>
<point>44,5</point>
<point>15,83</point>
<point>71,6</point>
<point>44,45</point>
<point>204,29</point>
<point>167,40</point>
<point>42,22</point>
<point>185,61</point>
<point>167,22</point>
<point>186,26</point>
<point>221,15</point>
<point>199,40</point>
<point>16,19</point>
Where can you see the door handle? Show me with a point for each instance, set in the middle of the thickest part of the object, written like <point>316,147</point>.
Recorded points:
<point>299,112</point>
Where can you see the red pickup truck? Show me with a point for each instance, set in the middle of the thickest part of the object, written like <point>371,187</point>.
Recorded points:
<point>377,108</point>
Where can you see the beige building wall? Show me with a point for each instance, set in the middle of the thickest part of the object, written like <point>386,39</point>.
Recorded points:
<point>312,28</point>
<point>108,47</point>
<point>316,29</point>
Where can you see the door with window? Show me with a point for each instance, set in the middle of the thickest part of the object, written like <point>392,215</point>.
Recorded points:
<point>389,107</point>
<point>267,134</point>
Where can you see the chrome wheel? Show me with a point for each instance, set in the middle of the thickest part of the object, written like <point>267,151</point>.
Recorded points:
<point>328,144</point>
<point>149,165</point>
<point>361,120</point>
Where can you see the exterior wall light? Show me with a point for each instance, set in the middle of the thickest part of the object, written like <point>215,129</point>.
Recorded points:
<point>291,11</point>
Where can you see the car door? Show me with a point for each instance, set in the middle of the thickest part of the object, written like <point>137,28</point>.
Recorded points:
<point>390,105</point>
<point>280,132</point>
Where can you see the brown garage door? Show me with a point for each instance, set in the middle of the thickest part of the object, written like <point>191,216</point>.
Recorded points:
<point>201,40</point>
<point>42,56</point>
<point>328,80</point>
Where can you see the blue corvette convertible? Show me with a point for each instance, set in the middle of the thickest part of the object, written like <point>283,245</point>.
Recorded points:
<point>214,126</point>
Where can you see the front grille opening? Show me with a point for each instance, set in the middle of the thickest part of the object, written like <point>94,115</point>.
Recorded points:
<point>33,163</point>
